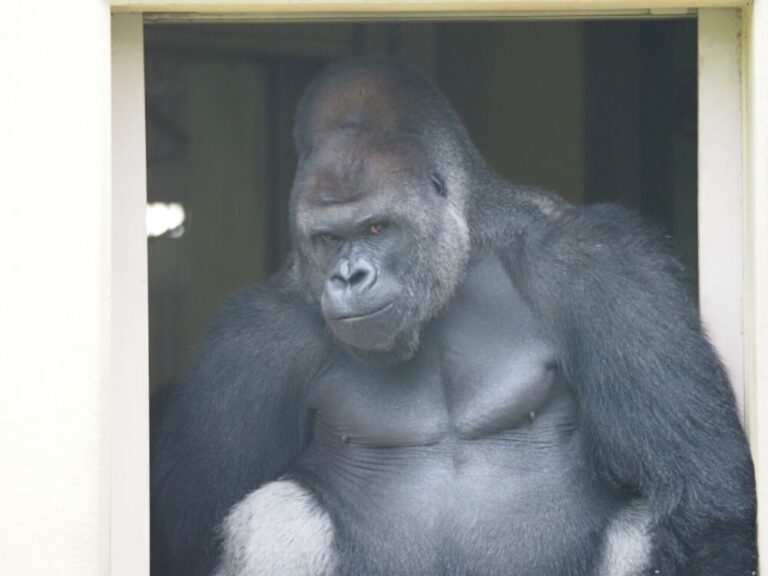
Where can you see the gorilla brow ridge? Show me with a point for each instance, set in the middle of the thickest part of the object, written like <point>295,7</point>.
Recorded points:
<point>380,163</point>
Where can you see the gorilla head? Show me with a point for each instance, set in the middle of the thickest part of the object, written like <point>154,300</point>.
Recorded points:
<point>379,199</point>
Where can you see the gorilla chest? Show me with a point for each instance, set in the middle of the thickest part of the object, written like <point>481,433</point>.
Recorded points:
<point>483,368</point>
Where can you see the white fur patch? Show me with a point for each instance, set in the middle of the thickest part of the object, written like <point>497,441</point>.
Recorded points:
<point>277,530</point>
<point>627,544</point>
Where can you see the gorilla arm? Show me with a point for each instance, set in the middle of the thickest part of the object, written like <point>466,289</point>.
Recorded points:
<point>236,421</point>
<point>657,410</point>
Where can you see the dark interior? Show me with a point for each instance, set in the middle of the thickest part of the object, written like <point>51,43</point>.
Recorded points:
<point>595,110</point>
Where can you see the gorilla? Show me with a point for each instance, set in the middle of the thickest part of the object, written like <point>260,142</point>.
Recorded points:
<point>452,375</point>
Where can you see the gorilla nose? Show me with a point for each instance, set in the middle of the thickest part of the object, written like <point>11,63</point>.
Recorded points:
<point>358,275</point>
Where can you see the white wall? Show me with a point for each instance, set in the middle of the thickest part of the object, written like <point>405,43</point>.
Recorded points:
<point>54,286</point>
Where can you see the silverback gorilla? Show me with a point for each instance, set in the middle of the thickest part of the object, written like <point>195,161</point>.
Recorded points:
<point>452,375</point>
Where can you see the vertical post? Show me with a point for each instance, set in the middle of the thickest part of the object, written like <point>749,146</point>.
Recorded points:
<point>721,206</point>
<point>130,360</point>
<point>755,38</point>
<point>55,234</point>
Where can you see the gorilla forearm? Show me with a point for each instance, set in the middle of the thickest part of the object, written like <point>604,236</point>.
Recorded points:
<point>245,384</point>
<point>655,400</point>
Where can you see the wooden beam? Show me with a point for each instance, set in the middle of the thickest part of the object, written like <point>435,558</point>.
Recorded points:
<point>416,8</point>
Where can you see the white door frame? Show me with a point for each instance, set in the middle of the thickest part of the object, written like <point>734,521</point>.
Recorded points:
<point>727,272</point>
<point>727,300</point>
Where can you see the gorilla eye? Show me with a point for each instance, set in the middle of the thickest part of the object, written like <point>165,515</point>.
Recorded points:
<point>438,184</point>
<point>376,228</point>
<point>327,238</point>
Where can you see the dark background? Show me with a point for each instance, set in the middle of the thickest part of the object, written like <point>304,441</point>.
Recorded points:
<point>595,110</point>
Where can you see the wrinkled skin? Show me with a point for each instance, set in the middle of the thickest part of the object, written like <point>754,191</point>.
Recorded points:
<point>370,243</point>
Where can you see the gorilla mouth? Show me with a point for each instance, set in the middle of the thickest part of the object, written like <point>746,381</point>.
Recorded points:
<point>365,315</point>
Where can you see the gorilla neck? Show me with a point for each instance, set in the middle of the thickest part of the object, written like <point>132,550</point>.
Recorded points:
<point>402,350</point>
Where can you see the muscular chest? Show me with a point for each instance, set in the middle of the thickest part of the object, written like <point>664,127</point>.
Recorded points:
<point>483,367</point>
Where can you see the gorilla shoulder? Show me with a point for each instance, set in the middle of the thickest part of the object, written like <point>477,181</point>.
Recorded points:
<point>263,321</point>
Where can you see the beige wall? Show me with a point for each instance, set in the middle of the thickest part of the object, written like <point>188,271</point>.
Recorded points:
<point>54,287</point>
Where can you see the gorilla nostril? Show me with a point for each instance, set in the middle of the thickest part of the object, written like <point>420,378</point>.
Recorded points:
<point>358,276</point>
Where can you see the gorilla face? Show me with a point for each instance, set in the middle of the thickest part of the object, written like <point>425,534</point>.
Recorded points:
<point>381,242</point>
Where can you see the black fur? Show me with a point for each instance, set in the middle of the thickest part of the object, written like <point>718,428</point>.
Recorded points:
<point>639,408</point>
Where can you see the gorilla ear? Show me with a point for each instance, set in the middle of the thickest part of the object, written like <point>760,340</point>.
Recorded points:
<point>438,184</point>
